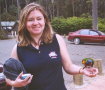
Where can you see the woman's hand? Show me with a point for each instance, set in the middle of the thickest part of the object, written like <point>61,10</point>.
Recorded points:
<point>20,82</point>
<point>91,71</point>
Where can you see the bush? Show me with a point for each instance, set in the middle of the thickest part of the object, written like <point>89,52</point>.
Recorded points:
<point>101,27</point>
<point>101,20</point>
<point>76,23</point>
<point>7,17</point>
<point>64,26</point>
<point>101,24</point>
<point>3,34</point>
<point>59,25</point>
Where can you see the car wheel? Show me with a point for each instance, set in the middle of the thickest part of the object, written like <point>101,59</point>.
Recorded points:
<point>76,41</point>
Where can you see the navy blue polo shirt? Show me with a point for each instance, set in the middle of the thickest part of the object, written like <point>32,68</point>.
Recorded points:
<point>44,64</point>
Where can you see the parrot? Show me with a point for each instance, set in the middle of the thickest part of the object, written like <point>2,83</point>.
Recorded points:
<point>88,62</point>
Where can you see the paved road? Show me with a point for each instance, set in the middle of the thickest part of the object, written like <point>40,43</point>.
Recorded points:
<point>5,49</point>
<point>77,53</point>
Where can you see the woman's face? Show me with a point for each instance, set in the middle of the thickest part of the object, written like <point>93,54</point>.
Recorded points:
<point>35,23</point>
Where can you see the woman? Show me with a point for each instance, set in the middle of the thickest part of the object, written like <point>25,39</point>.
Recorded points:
<point>42,53</point>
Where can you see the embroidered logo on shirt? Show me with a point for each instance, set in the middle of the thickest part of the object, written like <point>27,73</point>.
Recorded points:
<point>53,54</point>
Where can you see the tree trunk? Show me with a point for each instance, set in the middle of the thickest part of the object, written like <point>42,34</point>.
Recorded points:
<point>26,1</point>
<point>0,20</point>
<point>52,4</point>
<point>0,15</point>
<point>73,7</point>
<point>18,8</point>
<point>12,2</point>
<point>6,6</point>
<point>95,14</point>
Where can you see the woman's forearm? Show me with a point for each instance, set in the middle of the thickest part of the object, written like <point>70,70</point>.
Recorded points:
<point>74,69</point>
<point>10,82</point>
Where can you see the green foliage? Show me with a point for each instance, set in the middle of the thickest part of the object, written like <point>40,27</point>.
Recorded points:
<point>7,17</point>
<point>86,15</point>
<point>3,34</point>
<point>60,25</point>
<point>13,10</point>
<point>101,24</point>
<point>101,20</point>
<point>101,27</point>
<point>64,26</point>
<point>76,23</point>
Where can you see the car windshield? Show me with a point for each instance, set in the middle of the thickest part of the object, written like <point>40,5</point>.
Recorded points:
<point>102,33</point>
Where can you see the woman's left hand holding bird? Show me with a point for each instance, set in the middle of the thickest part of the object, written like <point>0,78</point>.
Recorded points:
<point>91,71</point>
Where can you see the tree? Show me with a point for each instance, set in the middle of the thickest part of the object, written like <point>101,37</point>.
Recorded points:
<point>95,14</point>
<point>0,14</point>
<point>13,10</point>
<point>18,8</point>
<point>6,6</point>
<point>73,7</point>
